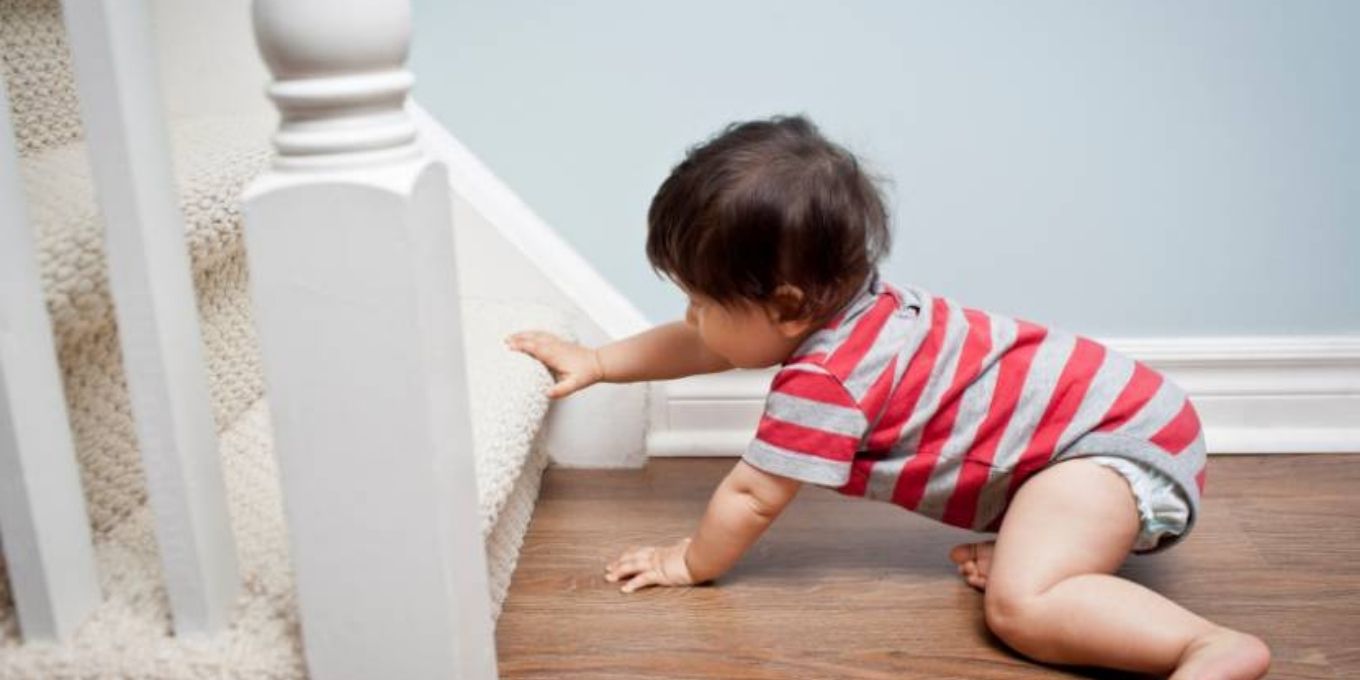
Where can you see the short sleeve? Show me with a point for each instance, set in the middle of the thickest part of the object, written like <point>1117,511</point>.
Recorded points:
<point>810,430</point>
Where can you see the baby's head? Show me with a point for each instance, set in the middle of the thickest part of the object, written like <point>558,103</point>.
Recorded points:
<point>769,228</point>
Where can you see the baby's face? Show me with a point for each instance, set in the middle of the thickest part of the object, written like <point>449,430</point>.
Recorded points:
<point>746,334</point>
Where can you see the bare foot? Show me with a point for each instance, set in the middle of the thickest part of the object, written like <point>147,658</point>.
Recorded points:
<point>1224,655</point>
<point>974,560</point>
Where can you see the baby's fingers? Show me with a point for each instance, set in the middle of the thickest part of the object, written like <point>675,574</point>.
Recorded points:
<point>565,386</point>
<point>630,563</point>
<point>532,342</point>
<point>627,552</point>
<point>646,578</point>
<point>520,342</point>
<point>548,356</point>
<point>532,339</point>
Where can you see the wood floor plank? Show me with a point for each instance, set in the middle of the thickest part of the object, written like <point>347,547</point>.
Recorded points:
<point>846,588</point>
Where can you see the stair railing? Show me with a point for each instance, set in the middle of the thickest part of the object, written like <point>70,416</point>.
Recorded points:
<point>45,531</point>
<point>42,513</point>
<point>351,253</point>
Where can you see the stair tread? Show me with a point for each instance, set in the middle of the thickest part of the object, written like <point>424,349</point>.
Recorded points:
<point>509,387</point>
<point>214,158</point>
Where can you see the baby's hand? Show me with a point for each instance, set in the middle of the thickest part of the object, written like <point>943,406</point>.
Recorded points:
<point>575,367</point>
<point>664,566</point>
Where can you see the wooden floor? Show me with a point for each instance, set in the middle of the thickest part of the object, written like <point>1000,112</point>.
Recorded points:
<point>848,588</point>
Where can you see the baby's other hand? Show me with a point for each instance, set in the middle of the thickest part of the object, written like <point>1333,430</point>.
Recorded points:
<point>574,367</point>
<point>663,566</point>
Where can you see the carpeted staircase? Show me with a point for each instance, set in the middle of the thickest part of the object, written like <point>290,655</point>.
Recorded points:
<point>129,635</point>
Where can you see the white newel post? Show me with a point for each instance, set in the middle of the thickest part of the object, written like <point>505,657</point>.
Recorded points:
<point>351,259</point>
<point>42,512</point>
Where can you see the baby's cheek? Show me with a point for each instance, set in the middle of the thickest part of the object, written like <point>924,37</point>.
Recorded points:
<point>740,349</point>
<point>715,341</point>
<point>706,336</point>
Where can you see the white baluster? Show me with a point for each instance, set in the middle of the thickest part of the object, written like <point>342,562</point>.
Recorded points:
<point>351,259</point>
<point>153,294</point>
<point>42,512</point>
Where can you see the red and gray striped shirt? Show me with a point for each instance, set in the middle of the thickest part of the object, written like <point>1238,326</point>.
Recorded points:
<point>911,398</point>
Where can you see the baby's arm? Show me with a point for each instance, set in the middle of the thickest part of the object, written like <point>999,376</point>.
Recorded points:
<point>744,504</point>
<point>747,501</point>
<point>671,350</point>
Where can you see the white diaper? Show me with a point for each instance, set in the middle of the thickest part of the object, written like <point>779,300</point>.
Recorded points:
<point>1162,507</point>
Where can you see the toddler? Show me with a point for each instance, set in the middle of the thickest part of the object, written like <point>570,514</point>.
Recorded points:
<point>1073,454</point>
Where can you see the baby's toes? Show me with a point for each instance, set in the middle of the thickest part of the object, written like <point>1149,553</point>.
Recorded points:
<point>968,571</point>
<point>976,580</point>
<point>984,557</point>
<point>961,554</point>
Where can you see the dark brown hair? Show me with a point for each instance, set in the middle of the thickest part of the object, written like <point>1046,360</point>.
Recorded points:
<point>767,202</point>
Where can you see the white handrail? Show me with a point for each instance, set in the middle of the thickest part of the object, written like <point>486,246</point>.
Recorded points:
<point>42,512</point>
<point>356,304</point>
<point>152,290</point>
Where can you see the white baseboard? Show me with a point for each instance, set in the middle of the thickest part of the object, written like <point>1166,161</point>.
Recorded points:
<point>1296,394</point>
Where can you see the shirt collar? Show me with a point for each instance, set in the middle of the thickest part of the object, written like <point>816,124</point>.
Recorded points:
<point>864,296</point>
<point>868,291</point>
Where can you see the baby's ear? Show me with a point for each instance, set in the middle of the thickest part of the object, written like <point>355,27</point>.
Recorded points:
<point>785,303</point>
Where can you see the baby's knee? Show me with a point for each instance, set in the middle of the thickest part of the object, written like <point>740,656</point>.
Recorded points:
<point>1016,617</point>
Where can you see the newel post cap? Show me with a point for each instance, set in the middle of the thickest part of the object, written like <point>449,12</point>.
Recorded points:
<point>340,80</point>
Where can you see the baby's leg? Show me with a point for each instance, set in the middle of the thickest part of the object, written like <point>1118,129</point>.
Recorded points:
<point>1051,596</point>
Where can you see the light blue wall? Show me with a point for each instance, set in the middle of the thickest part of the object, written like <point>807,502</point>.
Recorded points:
<point>1114,168</point>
